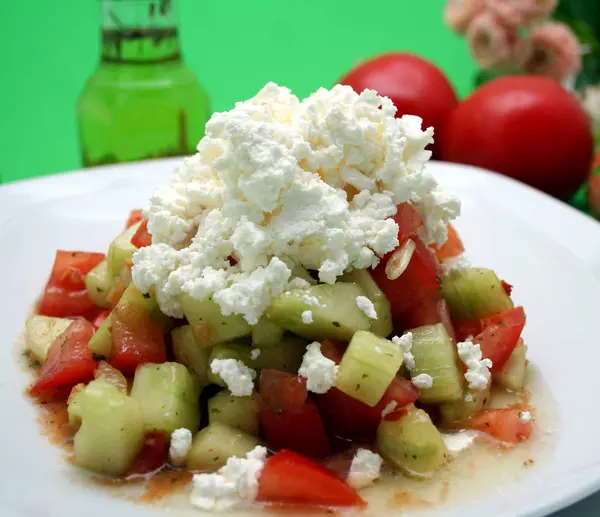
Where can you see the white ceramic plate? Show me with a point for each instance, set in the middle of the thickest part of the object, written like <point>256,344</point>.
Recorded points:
<point>504,225</point>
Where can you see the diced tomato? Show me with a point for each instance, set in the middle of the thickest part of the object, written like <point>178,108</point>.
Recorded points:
<point>426,312</point>
<point>142,237</point>
<point>301,431</point>
<point>62,303</point>
<point>135,216</point>
<point>281,391</point>
<point>451,248</point>
<point>507,287</point>
<point>408,221</point>
<point>136,338</point>
<point>70,268</point>
<point>503,424</point>
<point>153,455</point>
<point>514,316</point>
<point>402,392</point>
<point>291,479</point>
<point>340,463</point>
<point>69,362</point>
<point>99,319</point>
<point>333,350</point>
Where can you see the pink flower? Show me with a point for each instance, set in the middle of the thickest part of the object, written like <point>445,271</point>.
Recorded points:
<point>491,41</point>
<point>459,13</point>
<point>554,52</point>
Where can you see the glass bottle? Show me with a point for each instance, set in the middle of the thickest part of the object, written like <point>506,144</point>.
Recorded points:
<point>142,102</point>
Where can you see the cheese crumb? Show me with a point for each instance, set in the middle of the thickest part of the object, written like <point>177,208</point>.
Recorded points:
<point>423,381</point>
<point>307,317</point>
<point>366,305</point>
<point>458,442</point>
<point>405,342</point>
<point>389,408</point>
<point>455,264</point>
<point>181,443</point>
<point>364,469</point>
<point>524,417</point>
<point>254,353</point>
<point>319,371</point>
<point>478,369</point>
<point>238,377</point>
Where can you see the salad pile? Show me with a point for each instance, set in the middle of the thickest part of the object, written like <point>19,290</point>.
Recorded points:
<point>290,317</point>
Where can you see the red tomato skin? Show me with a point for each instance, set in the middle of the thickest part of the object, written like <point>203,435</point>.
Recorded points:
<point>333,350</point>
<point>136,338</point>
<point>62,303</point>
<point>408,221</point>
<point>70,267</point>
<point>281,391</point>
<point>142,237</point>
<point>69,362</point>
<point>152,457</point>
<point>453,246</point>
<point>99,319</point>
<point>301,431</point>
<point>507,287</point>
<point>135,216</point>
<point>502,424</point>
<point>525,127</point>
<point>415,86</point>
<point>291,479</point>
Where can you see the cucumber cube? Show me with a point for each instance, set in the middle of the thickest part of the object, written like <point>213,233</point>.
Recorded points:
<point>266,334</point>
<point>470,403</point>
<point>121,250</point>
<point>238,412</point>
<point>189,353</point>
<point>98,283</point>
<point>512,376</point>
<point>41,331</point>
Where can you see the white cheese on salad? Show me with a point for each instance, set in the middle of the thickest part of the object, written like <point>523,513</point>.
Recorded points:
<point>405,343</point>
<point>366,305</point>
<point>278,183</point>
<point>238,377</point>
<point>254,354</point>
<point>364,469</point>
<point>458,442</point>
<point>524,417</point>
<point>233,485</point>
<point>478,369</point>
<point>423,381</point>
<point>307,317</point>
<point>181,443</point>
<point>389,408</point>
<point>319,371</point>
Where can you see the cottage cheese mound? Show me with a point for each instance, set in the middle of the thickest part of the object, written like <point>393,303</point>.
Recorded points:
<point>278,183</point>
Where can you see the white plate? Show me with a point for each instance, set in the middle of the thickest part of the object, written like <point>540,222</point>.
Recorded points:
<point>505,226</point>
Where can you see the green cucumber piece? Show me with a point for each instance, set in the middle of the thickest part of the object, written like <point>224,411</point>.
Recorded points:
<point>335,316</point>
<point>470,403</point>
<point>189,353</point>
<point>474,293</point>
<point>382,326</point>
<point>121,250</point>
<point>110,429</point>
<point>217,442</point>
<point>238,412</point>
<point>98,283</point>
<point>368,367</point>
<point>412,443</point>
<point>168,396</point>
<point>266,334</point>
<point>234,350</point>
<point>301,272</point>
<point>512,376</point>
<point>210,326</point>
<point>435,355</point>
<point>286,357</point>
<point>41,331</point>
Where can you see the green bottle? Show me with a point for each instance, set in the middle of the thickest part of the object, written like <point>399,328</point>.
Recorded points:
<point>142,102</point>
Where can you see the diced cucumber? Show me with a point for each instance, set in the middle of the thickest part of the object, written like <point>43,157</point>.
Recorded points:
<point>470,403</point>
<point>285,357</point>
<point>512,376</point>
<point>216,443</point>
<point>412,443</point>
<point>474,293</point>
<point>301,272</point>
<point>368,367</point>
<point>101,342</point>
<point>188,352</point>
<point>335,314</point>
<point>238,412</point>
<point>41,331</point>
<point>209,325</point>
<point>382,326</point>
<point>110,429</point>
<point>121,250</point>
<point>233,350</point>
<point>435,355</point>
<point>266,334</point>
<point>168,396</point>
<point>98,283</point>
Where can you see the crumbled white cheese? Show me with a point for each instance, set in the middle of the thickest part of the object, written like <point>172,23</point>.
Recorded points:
<point>458,442</point>
<point>254,353</point>
<point>524,417</point>
<point>268,189</point>
<point>364,469</point>
<point>455,264</point>
<point>307,317</point>
<point>389,408</point>
<point>423,381</point>
<point>238,377</point>
<point>297,283</point>
<point>478,369</point>
<point>234,485</point>
<point>405,342</point>
<point>319,371</point>
<point>366,305</point>
<point>469,397</point>
<point>309,299</point>
<point>181,443</point>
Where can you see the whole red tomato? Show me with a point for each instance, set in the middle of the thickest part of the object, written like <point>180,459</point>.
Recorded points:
<point>415,86</point>
<point>526,127</point>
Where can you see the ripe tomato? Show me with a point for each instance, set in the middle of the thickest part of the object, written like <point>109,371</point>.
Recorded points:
<point>99,319</point>
<point>451,248</point>
<point>153,455</point>
<point>503,424</point>
<point>281,391</point>
<point>526,127</point>
<point>141,237</point>
<point>408,221</point>
<point>135,216</point>
<point>415,86</point>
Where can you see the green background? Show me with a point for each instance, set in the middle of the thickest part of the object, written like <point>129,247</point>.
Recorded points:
<point>50,48</point>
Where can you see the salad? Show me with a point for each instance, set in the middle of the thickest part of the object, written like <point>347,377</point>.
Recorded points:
<point>290,319</point>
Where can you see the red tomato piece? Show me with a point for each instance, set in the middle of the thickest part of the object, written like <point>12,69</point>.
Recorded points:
<point>142,237</point>
<point>402,392</point>
<point>136,338</point>
<point>452,247</point>
<point>301,431</point>
<point>153,455</point>
<point>69,362</point>
<point>291,479</point>
<point>514,316</point>
<point>333,350</point>
<point>503,424</point>
<point>408,220</point>
<point>507,287</point>
<point>281,391</point>
<point>62,303</point>
<point>99,319</point>
<point>135,216</point>
<point>426,312</point>
<point>70,268</point>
